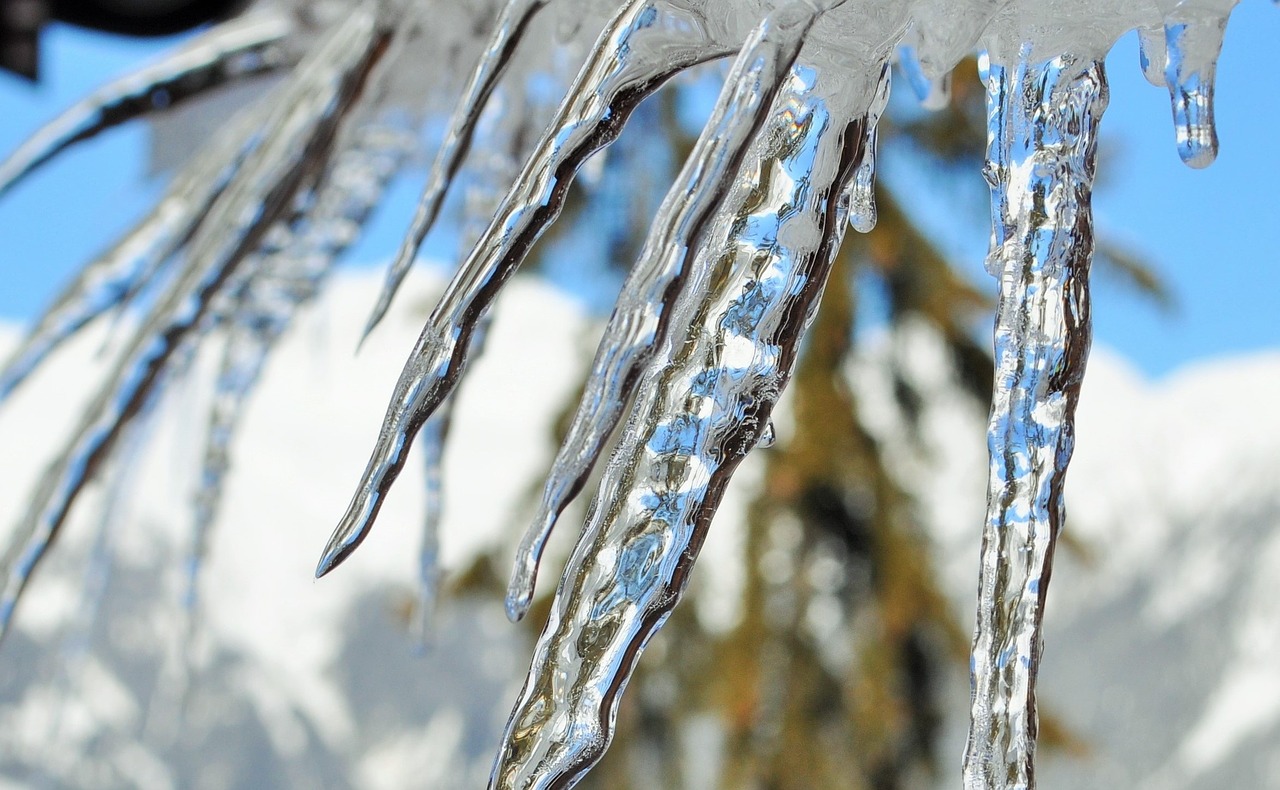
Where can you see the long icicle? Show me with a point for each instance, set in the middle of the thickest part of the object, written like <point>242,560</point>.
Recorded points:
<point>862,190</point>
<point>284,283</point>
<point>511,24</point>
<point>639,320</point>
<point>646,43</point>
<point>234,50</point>
<point>701,407</point>
<point>302,129</point>
<point>115,277</point>
<point>1042,139</point>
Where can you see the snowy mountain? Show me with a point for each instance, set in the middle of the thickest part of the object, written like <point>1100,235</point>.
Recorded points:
<point>1163,620</point>
<point>1163,617</point>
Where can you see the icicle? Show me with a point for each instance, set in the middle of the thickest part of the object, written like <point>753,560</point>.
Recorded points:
<point>296,142</point>
<point>500,138</point>
<point>699,410</point>
<point>234,50</point>
<point>283,284</point>
<point>1193,38</point>
<point>862,190</point>
<point>1042,138</point>
<point>433,437</point>
<point>646,43</point>
<point>511,24</point>
<point>640,317</point>
<point>114,278</point>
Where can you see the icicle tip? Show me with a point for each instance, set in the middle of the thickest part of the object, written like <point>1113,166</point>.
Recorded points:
<point>335,553</point>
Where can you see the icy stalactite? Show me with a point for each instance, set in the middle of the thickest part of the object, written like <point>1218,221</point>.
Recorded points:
<point>700,408</point>
<point>234,50</point>
<point>273,294</point>
<point>701,404</point>
<point>646,43</point>
<point>1193,38</point>
<point>114,278</point>
<point>1179,51</point>
<point>433,438</point>
<point>510,26</point>
<point>862,190</point>
<point>302,127</point>
<point>1042,137</point>
<point>494,166</point>
<point>639,321</point>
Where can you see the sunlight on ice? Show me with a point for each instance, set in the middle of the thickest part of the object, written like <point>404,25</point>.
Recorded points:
<point>706,330</point>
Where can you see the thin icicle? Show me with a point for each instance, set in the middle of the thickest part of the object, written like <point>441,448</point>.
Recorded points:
<point>700,409</point>
<point>282,285</point>
<point>646,43</point>
<point>500,137</point>
<point>299,134</point>
<point>114,278</point>
<point>434,437</point>
<point>862,190</point>
<point>1193,39</point>
<point>234,50</point>
<point>1042,139</point>
<point>642,311</point>
<point>511,24</point>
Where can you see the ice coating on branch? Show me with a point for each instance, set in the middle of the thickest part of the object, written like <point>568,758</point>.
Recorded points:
<point>1042,139</point>
<point>114,278</point>
<point>639,320</point>
<point>701,406</point>
<point>511,24</point>
<point>298,133</point>
<point>234,50</point>
<point>644,44</point>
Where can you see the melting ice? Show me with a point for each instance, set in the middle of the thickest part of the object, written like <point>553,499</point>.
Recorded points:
<point>705,332</point>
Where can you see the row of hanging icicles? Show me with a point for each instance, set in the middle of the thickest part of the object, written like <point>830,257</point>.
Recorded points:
<point>704,333</point>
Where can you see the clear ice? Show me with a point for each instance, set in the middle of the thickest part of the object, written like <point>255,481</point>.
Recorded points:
<point>1042,142</point>
<point>706,329</point>
<point>289,275</point>
<point>647,42</point>
<point>700,408</point>
<point>639,321</point>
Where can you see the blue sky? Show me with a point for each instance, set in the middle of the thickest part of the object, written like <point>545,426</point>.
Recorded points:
<point>1212,234</point>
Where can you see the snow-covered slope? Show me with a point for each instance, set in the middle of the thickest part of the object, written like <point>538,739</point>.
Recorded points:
<point>1163,619</point>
